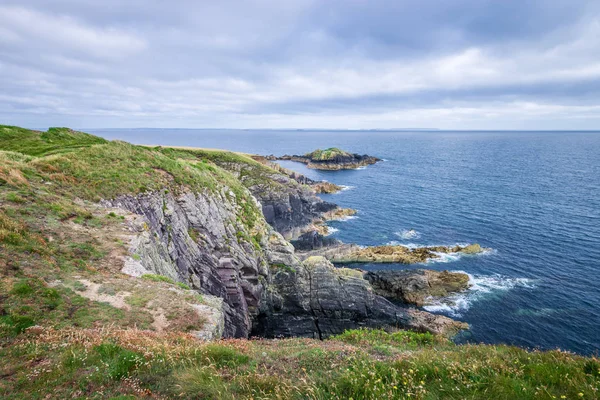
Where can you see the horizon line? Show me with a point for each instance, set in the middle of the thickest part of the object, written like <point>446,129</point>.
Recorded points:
<point>355,130</point>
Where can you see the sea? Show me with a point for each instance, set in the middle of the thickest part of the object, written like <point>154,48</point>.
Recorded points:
<point>532,198</point>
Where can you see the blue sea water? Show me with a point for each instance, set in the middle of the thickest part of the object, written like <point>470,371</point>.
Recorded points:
<point>532,197</point>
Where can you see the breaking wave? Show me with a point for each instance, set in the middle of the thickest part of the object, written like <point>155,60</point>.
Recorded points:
<point>407,234</point>
<point>481,286</point>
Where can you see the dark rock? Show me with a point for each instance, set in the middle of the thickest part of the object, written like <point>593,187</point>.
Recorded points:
<point>318,300</point>
<point>313,241</point>
<point>417,285</point>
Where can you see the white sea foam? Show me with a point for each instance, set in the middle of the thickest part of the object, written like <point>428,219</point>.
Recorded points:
<point>331,230</point>
<point>445,257</point>
<point>345,187</point>
<point>347,218</point>
<point>361,168</point>
<point>407,234</point>
<point>481,285</point>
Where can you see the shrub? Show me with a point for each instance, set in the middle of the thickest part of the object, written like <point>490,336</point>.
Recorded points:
<point>22,288</point>
<point>16,323</point>
<point>222,356</point>
<point>118,362</point>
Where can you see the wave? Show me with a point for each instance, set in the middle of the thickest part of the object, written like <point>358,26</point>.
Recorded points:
<point>331,230</point>
<point>344,188</point>
<point>360,168</point>
<point>408,234</point>
<point>481,285</point>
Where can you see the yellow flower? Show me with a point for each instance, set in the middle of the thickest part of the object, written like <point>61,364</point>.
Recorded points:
<point>422,382</point>
<point>563,397</point>
<point>580,394</point>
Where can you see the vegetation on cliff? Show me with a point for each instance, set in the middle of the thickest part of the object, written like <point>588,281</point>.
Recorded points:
<point>72,326</point>
<point>328,154</point>
<point>359,364</point>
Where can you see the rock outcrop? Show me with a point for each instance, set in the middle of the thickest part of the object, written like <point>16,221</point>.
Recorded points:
<point>392,254</point>
<point>315,299</point>
<point>332,159</point>
<point>314,241</point>
<point>326,187</point>
<point>289,204</point>
<point>418,285</point>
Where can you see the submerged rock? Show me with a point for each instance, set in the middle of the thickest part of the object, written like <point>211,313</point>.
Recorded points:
<point>472,249</point>
<point>416,286</point>
<point>326,187</point>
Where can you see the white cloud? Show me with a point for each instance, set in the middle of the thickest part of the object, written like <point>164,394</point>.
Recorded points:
<point>36,29</point>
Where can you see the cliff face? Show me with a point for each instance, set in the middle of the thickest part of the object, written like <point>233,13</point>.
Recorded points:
<point>288,203</point>
<point>198,239</point>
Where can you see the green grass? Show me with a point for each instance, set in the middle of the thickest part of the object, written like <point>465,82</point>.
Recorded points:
<point>327,154</point>
<point>379,337</point>
<point>55,140</point>
<point>158,278</point>
<point>343,367</point>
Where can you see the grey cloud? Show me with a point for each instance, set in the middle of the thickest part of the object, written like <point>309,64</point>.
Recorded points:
<point>297,63</point>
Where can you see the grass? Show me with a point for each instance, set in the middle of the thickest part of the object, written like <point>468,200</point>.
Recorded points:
<point>54,141</point>
<point>158,278</point>
<point>161,278</point>
<point>327,154</point>
<point>117,362</point>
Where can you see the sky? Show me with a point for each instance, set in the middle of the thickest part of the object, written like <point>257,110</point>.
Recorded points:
<point>335,64</point>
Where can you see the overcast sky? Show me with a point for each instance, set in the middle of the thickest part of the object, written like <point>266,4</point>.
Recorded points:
<point>450,64</point>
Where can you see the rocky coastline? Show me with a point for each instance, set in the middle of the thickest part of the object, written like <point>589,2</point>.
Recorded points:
<point>218,224</point>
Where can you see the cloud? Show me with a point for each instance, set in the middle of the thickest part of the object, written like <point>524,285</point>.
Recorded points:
<point>463,64</point>
<point>31,28</point>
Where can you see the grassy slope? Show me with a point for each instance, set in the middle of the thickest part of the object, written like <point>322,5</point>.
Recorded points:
<point>87,349</point>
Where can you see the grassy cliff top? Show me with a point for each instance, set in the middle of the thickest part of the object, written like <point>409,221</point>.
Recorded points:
<point>35,143</point>
<point>78,165</point>
<point>327,154</point>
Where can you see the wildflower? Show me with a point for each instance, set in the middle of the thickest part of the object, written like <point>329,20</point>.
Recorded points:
<point>580,394</point>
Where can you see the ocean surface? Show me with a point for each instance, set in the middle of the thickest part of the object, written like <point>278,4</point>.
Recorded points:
<point>532,197</point>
